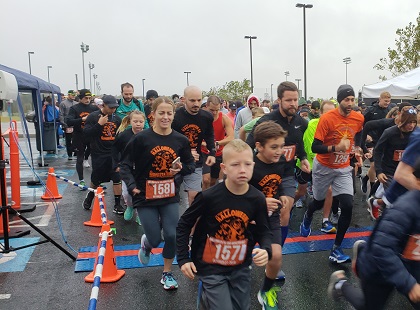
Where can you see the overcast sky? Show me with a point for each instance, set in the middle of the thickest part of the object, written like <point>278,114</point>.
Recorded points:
<point>158,40</point>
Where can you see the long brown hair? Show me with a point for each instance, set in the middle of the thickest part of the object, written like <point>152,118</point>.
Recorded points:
<point>127,119</point>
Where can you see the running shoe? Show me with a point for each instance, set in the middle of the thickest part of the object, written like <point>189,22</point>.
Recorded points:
<point>168,281</point>
<point>373,208</point>
<point>338,256</point>
<point>328,228</point>
<point>128,213</point>
<point>281,275</point>
<point>138,220</point>
<point>305,226</point>
<point>336,277</point>
<point>299,203</point>
<point>144,252</point>
<point>86,163</point>
<point>357,247</point>
<point>83,183</point>
<point>334,218</point>
<point>364,184</point>
<point>268,300</point>
<point>87,202</point>
<point>118,209</point>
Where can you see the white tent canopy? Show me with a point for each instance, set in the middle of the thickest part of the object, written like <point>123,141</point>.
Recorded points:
<point>405,86</point>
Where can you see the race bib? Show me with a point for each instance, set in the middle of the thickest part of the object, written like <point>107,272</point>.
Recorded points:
<point>289,152</point>
<point>412,248</point>
<point>225,253</point>
<point>397,155</point>
<point>338,158</point>
<point>158,189</point>
<point>69,129</point>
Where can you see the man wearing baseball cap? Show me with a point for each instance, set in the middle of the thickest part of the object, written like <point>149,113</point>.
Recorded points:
<point>100,130</point>
<point>76,118</point>
<point>64,109</point>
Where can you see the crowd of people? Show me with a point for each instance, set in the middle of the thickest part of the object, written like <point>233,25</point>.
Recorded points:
<point>244,168</point>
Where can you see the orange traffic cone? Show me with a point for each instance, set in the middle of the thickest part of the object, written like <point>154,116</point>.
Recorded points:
<point>95,218</point>
<point>51,192</point>
<point>1,223</point>
<point>110,273</point>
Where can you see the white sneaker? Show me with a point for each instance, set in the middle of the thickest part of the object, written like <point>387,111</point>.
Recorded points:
<point>86,163</point>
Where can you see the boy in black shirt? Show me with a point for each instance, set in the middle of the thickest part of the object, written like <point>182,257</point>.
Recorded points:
<point>101,129</point>
<point>222,247</point>
<point>269,170</point>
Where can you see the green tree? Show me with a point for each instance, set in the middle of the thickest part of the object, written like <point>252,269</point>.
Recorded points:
<point>406,55</point>
<point>232,90</point>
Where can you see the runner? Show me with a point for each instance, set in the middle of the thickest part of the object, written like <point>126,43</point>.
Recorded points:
<point>244,115</point>
<point>76,118</point>
<point>334,140</point>
<point>196,125</point>
<point>128,103</point>
<point>100,130</point>
<point>304,178</point>
<point>390,260</point>
<point>137,120</point>
<point>270,164</point>
<point>149,171</point>
<point>223,134</point>
<point>295,126</point>
<point>222,247</point>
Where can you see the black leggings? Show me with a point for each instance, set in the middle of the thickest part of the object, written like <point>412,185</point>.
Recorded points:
<point>346,206</point>
<point>69,146</point>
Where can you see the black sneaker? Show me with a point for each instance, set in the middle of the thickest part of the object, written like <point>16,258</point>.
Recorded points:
<point>87,203</point>
<point>364,184</point>
<point>118,209</point>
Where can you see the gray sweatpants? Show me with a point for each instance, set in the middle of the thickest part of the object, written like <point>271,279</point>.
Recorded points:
<point>227,292</point>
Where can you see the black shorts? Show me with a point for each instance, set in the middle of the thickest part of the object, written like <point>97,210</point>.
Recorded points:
<point>213,170</point>
<point>274,223</point>
<point>302,177</point>
<point>102,170</point>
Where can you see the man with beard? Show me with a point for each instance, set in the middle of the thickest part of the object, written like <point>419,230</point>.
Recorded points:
<point>128,103</point>
<point>196,125</point>
<point>295,126</point>
<point>64,107</point>
<point>334,141</point>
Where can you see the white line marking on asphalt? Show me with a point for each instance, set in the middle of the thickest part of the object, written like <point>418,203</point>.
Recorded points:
<point>5,296</point>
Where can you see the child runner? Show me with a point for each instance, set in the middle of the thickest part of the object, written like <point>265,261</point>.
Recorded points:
<point>390,260</point>
<point>222,246</point>
<point>147,169</point>
<point>135,120</point>
<point>267,177</point>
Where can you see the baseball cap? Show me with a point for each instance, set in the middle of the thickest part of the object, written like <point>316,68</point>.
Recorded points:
<point>110,101</point>
<point>72,92</point>
<point>232,106</point>
<point>85,93</point>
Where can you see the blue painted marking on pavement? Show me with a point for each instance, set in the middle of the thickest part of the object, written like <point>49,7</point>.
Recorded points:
<point>17,260</point>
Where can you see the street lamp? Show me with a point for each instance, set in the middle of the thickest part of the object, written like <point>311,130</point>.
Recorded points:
<point>98,88</point>
<point>187,73</point>
<point>304,6</point>
<point>29,56</point>
<point>48,70</point>
<point>95,76</point>
<point>84,47</point>
<point>77,82</point>
<point>142,82</point>
<point>272,93</point>
<point>347,61</point>
<point>250,56</point>
<point>91,66</point>
<point>298,80</point>
<point>286,73</point>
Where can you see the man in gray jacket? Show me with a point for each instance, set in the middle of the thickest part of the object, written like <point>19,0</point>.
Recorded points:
<point>64,107</point>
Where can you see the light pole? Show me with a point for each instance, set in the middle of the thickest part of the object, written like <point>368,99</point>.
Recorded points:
<point>48,70</point>
<point>298,80</point>
<point>91,66</point>
<point>98,88</point>
<point>142,82</point>
<point>84,47</point>
<point>77,83</point>
<point>286,73</point>
<point>347,61</point>
<point>187,73</point>
<point>95,76</point>
<point>29,57</point>
<point>271,93</point>
<point>304,6</point>
<point>250,56</point>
